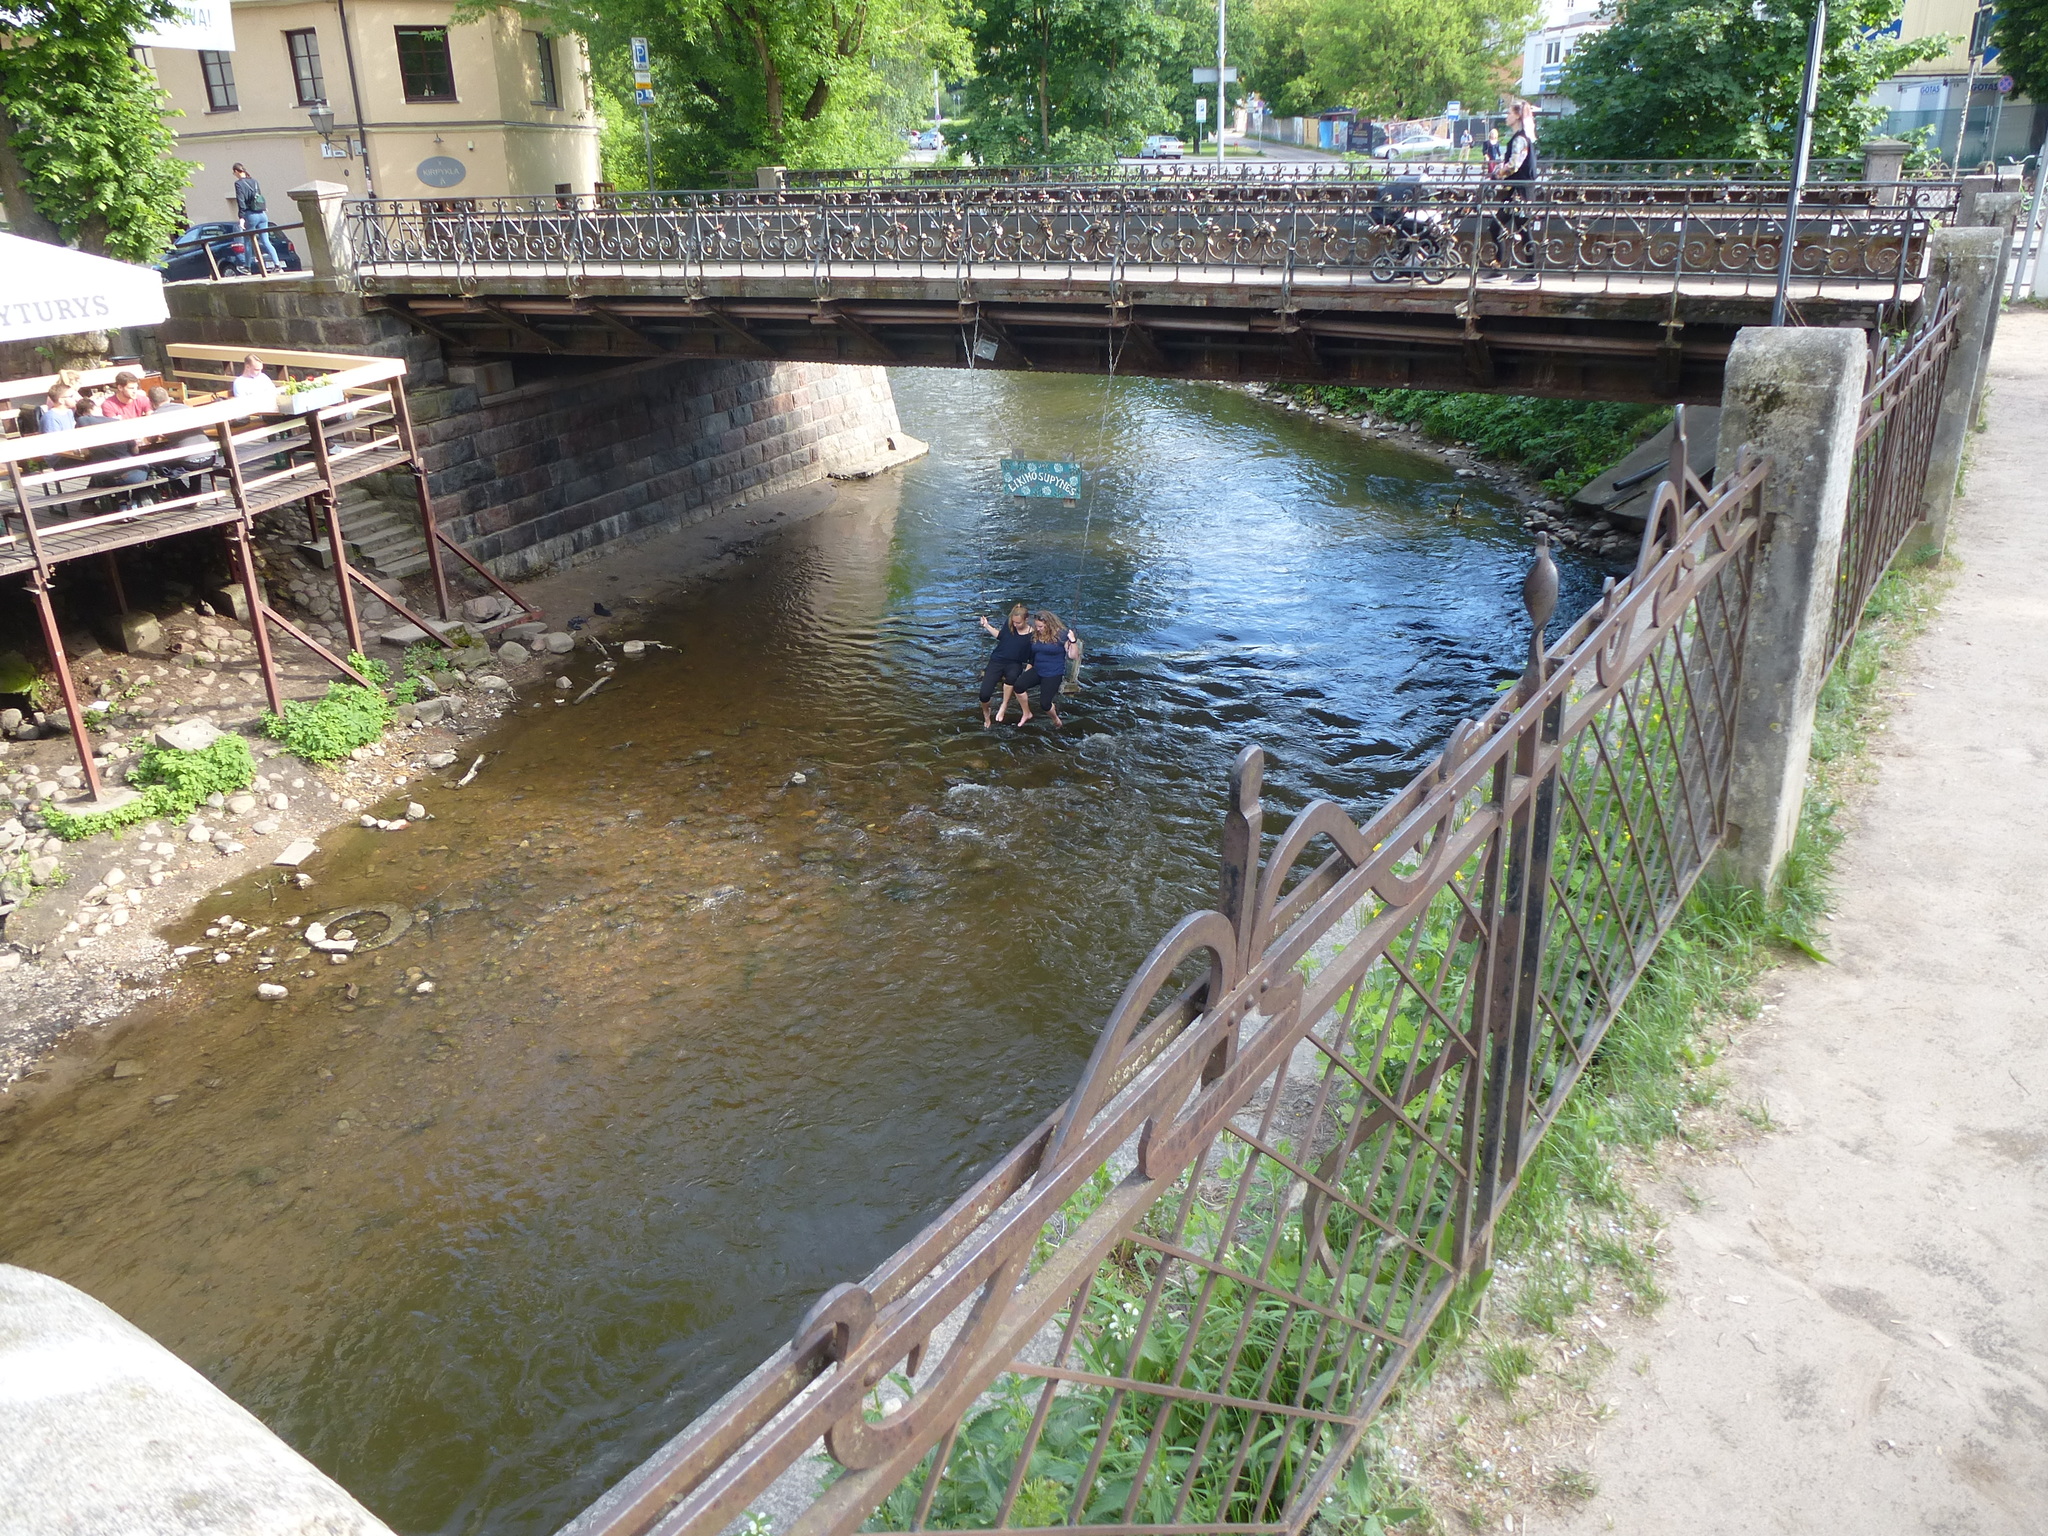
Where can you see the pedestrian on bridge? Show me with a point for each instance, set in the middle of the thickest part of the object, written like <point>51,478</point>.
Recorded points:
<point>1516,174</point>
<point>254,211</point>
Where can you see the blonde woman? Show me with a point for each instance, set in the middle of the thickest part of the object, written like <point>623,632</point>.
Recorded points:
<point>1053,645</point>
<point>1517,180</point>
<point>1007,662</point>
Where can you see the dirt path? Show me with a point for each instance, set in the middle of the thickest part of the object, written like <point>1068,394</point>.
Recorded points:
<point>1857,1336</point>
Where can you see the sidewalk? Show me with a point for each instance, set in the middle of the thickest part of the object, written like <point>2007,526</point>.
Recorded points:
<point>1857,1335</point>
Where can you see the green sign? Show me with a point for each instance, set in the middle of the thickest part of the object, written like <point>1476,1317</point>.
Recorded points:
<point>1052,478</point>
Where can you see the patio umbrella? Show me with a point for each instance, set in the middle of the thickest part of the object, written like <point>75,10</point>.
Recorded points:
<point>52,290</point>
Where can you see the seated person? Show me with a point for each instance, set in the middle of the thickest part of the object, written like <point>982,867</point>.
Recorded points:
<point>59,410</point>
<point>123,480</point>
<point>127,401</point>
<point>183,473</point>
<point>255,386</point>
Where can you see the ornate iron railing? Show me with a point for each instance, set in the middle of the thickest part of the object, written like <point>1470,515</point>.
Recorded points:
<point>1893,440</point>
<point>1409,231</point>
<point>1770,171</point>
<point>1176,1307</point>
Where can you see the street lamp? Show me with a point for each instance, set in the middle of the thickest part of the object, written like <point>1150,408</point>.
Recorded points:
<point>323,121</point>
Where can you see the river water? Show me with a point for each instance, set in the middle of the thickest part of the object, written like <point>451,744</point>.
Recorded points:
<point>702,1041</point>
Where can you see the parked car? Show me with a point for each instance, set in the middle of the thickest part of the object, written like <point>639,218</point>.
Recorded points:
<point>1413,147</point>
<point>931,138</point>
<point>232,253</point>
<point>1161,146</point>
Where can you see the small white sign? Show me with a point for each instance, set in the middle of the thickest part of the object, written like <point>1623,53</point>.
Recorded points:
<point>1201,109</point>
<point>1455,109</point>
<point>640,55</point>
<point>203,24</point>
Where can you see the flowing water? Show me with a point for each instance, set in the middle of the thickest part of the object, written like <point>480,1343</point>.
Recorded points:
<point>704,1041</point>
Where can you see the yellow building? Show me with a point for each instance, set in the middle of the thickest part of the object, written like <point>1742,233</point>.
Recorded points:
<point>420,108</point>
<point>1930,96</point>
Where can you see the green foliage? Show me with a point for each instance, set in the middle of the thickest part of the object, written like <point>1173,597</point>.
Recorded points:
<point>745,83</point>
<point>1713,78</point>
<point>2022,38</point>
<point>1397,58</point>
<point>85,155</point>
<point>16,675</point>
<point>1566,442</point>
<point>172,784</point>
<point>372,671</point>
<point>325,730</point>
<point>1072,81</point>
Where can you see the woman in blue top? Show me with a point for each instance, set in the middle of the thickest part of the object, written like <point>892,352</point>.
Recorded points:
<point>1053,645</point>
<point>1006,663</point>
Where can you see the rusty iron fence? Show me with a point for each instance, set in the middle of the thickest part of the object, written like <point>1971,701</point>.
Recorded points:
<point>1177,1305</point>
<point>1901,398</point>
<point>1628,237</point>
<point>1778,172</point>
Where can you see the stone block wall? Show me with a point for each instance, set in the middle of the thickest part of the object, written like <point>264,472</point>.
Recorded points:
<point>545,472</point>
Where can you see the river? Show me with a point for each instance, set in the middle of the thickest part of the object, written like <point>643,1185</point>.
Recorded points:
<point>702,1040</point>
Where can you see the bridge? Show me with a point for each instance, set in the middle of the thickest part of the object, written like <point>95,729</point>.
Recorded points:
<point>1621,289</point>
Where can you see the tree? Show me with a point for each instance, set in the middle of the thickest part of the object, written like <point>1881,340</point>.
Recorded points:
<point>1070,80</point>
<point>742,83</point>
<point>2022,39</point>
<point>85,153</point>
<point>1407,58</point>
<point>1712,79</point>
<point>1279,67</point>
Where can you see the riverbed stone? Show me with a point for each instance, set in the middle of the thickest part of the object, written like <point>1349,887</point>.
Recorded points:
<point>270,991</point>
<point>297,853</point>
<point>279,802</point>
<point>188,735</point>
<point>492,682</point>
<point>44,870</point>
<point>242,804</point>
<point>525,633</point>
<point>431,711</point>
<point>558,643</point>
<point>512,654</point>
<point>440,759</point>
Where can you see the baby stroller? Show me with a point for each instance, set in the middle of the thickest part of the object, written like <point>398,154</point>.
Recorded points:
<point>1421,239</point>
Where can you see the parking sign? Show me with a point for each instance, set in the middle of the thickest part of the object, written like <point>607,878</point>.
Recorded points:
<point>640,58</point>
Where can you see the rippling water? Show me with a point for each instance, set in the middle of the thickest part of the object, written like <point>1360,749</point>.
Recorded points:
<point>705,1042</point>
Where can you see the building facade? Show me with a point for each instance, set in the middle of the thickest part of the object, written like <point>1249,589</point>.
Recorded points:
<point>1544,53</point>
<point>419,107</point>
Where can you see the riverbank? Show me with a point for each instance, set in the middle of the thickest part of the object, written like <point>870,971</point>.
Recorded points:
<point>84,947</point>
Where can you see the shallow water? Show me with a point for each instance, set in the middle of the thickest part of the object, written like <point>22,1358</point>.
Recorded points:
<point>704,1042</point>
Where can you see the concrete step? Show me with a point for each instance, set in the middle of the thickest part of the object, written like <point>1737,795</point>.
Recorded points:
<point>384,533</point>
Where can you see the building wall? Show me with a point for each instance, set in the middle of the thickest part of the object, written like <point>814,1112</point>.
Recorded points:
<point>508,141</point>
<point>541,472</point>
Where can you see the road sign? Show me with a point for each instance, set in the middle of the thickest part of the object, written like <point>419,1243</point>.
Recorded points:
<point>1053,479</point>
<point>643,95</point>
<point>1208,76</point>
<point>643,77</point>
<point>640,58</point>
<point>1201,109</point>
<point>1455,110</point>
<point>2005,85</point>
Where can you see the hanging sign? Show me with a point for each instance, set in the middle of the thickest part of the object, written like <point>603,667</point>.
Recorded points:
<point>197,24</point>
<point>1053,479</point>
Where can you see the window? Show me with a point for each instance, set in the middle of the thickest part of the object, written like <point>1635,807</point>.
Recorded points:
<point>1550,52</point>
<point>305,51</point>
<point>423,64</point>
<point>219,70</point>
<point>546,92</point>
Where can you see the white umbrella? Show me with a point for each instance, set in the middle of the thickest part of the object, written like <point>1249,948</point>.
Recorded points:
<point>52,290</point>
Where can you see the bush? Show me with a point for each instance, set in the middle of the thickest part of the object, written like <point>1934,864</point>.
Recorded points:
<point>328,729</point>
<point>173,783</point>
<point>1567,442</point>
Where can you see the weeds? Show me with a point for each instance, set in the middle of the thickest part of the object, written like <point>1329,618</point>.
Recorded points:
<point>1572,1483</point>
<point>173,783</point>
<point>1507,1361</point>
<point>327,729</point>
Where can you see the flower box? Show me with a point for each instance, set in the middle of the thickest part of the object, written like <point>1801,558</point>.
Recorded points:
<point>300,402</point>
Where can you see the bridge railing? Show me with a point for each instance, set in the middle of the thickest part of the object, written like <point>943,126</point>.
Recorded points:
<point>1409,231</point>
<point>1846,168</point>
<point>1177,1306</point>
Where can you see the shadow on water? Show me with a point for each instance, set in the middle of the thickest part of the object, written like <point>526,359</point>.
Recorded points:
<point>704,1041</point>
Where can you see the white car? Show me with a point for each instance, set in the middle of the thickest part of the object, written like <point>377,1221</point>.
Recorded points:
<point>931,138</point>
<point>1413,147</point>
<point>1162,146</point>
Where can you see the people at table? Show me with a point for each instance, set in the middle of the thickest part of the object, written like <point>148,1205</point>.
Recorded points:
<point>59,410</point>
<point>199,456</point>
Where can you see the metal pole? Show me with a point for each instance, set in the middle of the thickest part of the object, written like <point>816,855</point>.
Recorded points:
<point>355,93</point>
<point>2032,242</point>
<point>1969,89</point>
<point>647,136</point>
<point>1808,93</point>
<point>1219,84</point>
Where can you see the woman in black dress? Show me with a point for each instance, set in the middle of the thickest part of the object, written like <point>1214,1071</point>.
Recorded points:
<point>1007,662</point>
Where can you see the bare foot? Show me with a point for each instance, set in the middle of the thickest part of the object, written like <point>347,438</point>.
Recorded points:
<point>984,717</point>
<point>1057,722</point>
<point>1026,717</point>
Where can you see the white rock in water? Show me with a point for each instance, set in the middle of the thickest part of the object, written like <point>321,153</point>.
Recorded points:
<point>315,932</point>
<point>414,811</point>
<point>634,648</point>
<point>440,759</point>
<point>222,958</point>
<point>797,778</point>
<point>371,821</point>
<point>270,991</point>
<point>424,988</point>
<point>297,853</point>
<point>563,682</point>
<point>558,643</point>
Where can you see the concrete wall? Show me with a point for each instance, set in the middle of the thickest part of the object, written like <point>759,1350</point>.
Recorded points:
<point>542,471</point>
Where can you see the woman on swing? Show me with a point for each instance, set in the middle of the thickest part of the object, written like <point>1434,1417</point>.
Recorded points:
<point>1007,662</point>
<point>1053,645</point>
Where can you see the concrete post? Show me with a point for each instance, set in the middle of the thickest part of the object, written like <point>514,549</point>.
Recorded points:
<point>771,178</point>
<point>327,252</point>
<point>1884,161</point>
<point>1963,262</point>
<point>1794,395</point>
<point>1999,211</point>
<point>1972,188</point>
<point>103,1429</point>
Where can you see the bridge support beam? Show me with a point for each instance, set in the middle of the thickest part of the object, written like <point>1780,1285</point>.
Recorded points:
<point>1795,395</point>
<point>1964,262</point>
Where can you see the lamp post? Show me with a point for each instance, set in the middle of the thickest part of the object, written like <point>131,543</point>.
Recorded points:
<point>1816,40</point>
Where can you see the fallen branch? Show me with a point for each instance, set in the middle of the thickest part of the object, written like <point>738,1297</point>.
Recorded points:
<point>586,693</point>
<point>463,782</point>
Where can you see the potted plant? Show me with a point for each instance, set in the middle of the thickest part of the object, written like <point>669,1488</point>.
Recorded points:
<point>299,397</point>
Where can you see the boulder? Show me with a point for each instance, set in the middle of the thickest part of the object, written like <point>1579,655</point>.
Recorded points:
<point>187,735</point>
<point>558,643</point>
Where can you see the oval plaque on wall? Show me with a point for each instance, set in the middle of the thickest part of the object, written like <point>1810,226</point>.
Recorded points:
<point>441,170</point>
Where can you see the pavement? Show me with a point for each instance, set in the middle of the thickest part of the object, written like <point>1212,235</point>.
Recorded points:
<point>1857,1335</point>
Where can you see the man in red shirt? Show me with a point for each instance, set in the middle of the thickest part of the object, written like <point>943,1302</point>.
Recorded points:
<point>126,402</point>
